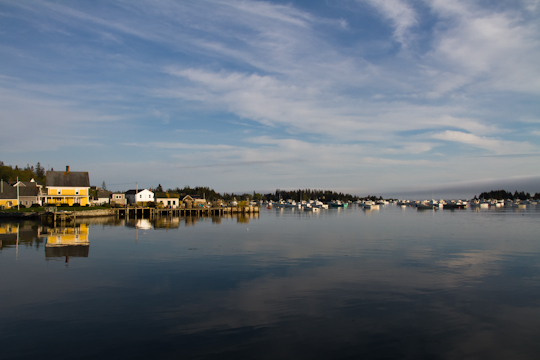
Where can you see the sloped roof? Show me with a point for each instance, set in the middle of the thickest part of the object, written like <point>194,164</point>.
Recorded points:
<point>28,191</point>
<point>31,183</point>
<point>103,194</point>
<point>131,192</point>
<point>63,178</point>
<point>162,195</point>
<point>9,192</point>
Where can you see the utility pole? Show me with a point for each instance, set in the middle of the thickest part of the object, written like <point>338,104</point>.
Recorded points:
<point>18,202</point>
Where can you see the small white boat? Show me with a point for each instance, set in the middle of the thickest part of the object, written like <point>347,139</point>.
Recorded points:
<point>426,205</point>
<point>370,205</point>
<point>292,205</point>
<point>320,205</point>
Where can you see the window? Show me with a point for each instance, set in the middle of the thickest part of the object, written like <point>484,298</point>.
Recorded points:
<point>169,202</point>
<point>77,192</point>
<point>58,192</point>
<point>140,196</point>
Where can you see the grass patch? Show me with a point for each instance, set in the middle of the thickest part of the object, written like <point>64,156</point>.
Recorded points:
<point>24,210</point>
<point>64,208</point>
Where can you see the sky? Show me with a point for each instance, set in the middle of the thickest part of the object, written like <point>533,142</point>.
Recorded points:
<point>390,97</point>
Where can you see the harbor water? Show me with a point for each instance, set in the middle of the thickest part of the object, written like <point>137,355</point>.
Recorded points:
<point>393,283</point>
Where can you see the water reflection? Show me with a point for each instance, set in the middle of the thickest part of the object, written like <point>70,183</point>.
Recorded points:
<point>175,222</point>
<point>343,284</point>
<point>14,234</point>
<point>143,224</point>
<point>66,242</point>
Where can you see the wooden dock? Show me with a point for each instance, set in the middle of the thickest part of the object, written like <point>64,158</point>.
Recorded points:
<point>61,218</point>
<point>53,216</point>
<point>155,213</point>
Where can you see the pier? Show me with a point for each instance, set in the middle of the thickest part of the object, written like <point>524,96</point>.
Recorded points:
<point>52,216</point>
<point>155,213</point>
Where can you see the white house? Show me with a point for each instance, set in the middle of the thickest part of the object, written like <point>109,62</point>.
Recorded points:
<point>102,197</point>
<point>142,196</point>
<point>171,201</point>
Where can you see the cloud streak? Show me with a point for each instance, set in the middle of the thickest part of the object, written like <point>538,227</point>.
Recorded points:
<point>277,89</point>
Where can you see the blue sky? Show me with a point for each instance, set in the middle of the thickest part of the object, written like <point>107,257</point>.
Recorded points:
<point>363,96</point>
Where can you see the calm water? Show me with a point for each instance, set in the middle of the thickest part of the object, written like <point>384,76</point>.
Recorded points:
<point>393,283</point>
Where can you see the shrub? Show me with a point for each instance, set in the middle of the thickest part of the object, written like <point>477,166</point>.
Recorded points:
<point>35,206</point>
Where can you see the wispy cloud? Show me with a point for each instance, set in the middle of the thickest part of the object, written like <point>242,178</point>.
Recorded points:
<point>494,145</point>
<point>490,49</point>
<point>400,14</point>
<point>321,93</point>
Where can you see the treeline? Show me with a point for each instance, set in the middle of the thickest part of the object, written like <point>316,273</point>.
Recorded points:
<point>10,173</point>
<point>210,194</point>
<point>202,191</point>
<point>309,194</point>
<point>297,195</point>
<point>502,194</point>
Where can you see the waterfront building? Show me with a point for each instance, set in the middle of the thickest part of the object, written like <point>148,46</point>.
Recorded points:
<point>102,197</point>
<point>29,192</point>
<point>67,187</point>
<point>8,195</point>
<point>118,198</point>
<point>139,197</point>
<point>169,200</point>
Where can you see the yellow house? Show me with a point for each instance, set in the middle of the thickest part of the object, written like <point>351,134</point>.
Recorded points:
<point>71,236</point>
<point>67,187</point>
<point>72,241</point>
<point>8,195</point>
<point>7,229</point>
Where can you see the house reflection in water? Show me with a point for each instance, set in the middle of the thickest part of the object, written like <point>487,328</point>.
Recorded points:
<point>167,223</point>
<point>17,234</point>
<point>8,235</point>
<point>66,242</point>
<point>143,224</point>
<point>174,222</point>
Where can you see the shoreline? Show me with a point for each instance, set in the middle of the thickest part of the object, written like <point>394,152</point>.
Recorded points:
<point>39,214</point>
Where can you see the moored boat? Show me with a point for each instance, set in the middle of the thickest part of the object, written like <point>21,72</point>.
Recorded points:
<point>338,203</point>
<point>453,204</point>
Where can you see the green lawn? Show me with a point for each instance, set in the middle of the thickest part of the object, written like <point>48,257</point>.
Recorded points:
<point>59,208</point>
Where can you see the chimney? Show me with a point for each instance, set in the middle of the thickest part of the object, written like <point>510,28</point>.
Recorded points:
<point>67,168</point>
